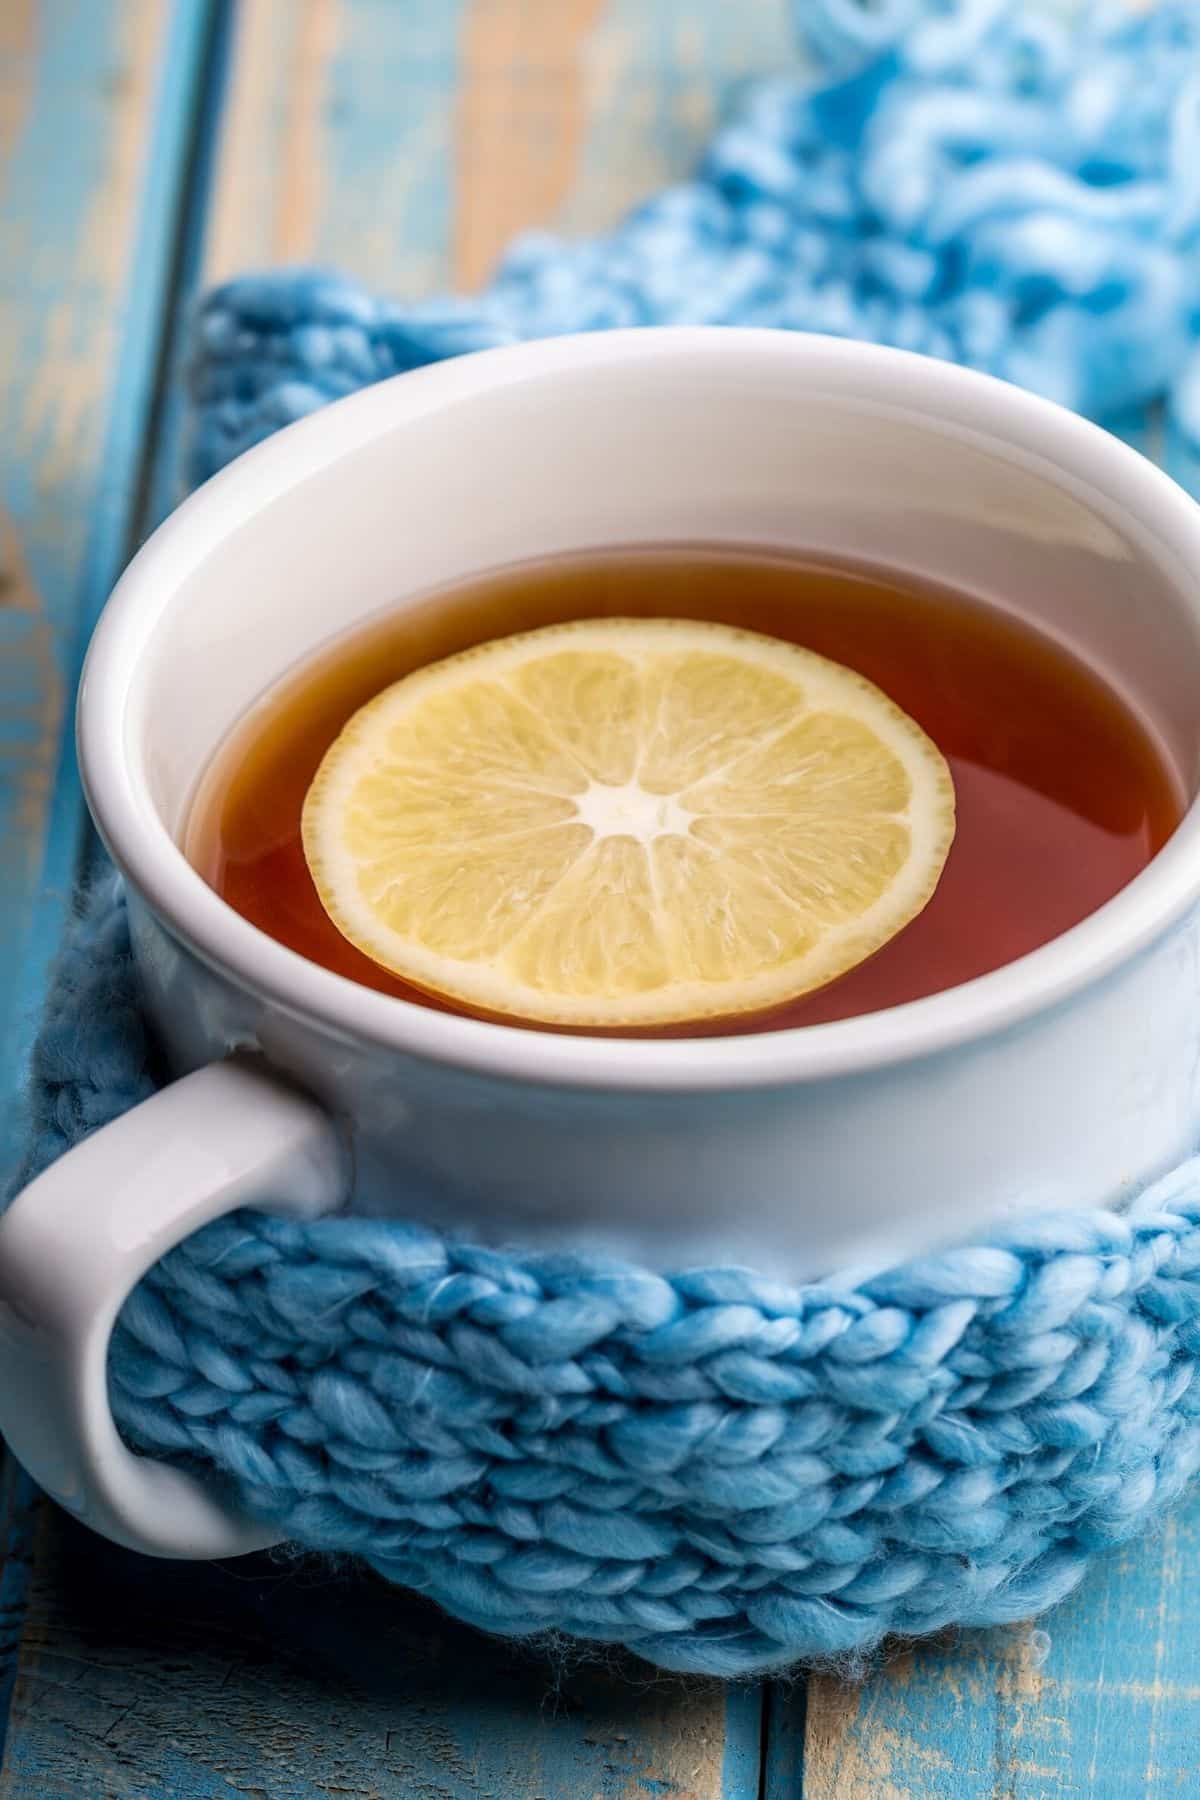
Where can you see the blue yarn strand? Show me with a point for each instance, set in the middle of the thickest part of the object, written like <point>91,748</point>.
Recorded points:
<point>723,1473</point>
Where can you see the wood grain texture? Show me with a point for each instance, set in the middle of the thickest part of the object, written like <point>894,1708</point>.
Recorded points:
<point>18,1502</point>
<point>1112,1713</point>
<point>521,121</point>
<point>68,211</point>
<point>572,111</point>
<point>408,142</point>
<point>91,161</point>
<point>337,140</point>
<point>657,77</point>
<point>282,1681</point>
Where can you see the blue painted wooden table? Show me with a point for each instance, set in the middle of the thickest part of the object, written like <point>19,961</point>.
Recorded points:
<point>146,148</point>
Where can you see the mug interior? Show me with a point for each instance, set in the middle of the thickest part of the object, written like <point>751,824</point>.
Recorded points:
<point>670,448</point>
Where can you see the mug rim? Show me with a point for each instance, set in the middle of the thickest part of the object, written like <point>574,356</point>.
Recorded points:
<point>145,851</point>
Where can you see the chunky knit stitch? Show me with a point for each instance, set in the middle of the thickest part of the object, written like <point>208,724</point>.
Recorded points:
<point>723,1473</point>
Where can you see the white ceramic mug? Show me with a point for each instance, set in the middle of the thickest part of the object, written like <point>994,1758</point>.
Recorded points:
<point>1061,1080</point>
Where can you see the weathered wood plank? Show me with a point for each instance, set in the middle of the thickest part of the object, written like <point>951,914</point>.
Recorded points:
<point>784,1716</point>
<point>89,163</point>
<point>18,1500</point>
<point>85,213</point>
<point>657,79</point>
<point>1113,1712</point>
<point>337,142</point>
<point>407,142</point>
<point>521,122</point>
<point>87,193</point>
<point>84,246</point>
<point>287,1681</point>
<point>67,216</point>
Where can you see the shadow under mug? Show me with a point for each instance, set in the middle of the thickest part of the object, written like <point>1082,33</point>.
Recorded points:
<point>1063,1080</point>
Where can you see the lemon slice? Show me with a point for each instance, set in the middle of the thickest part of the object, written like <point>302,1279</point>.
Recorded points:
<point>627,822</point>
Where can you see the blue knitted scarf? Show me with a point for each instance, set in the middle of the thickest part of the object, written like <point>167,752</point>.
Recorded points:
<point>725,1474</point>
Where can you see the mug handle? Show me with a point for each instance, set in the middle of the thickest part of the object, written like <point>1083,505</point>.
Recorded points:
<point>77,1240</point>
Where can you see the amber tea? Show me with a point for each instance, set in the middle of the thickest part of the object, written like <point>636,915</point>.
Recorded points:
<point>1060,792</point>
